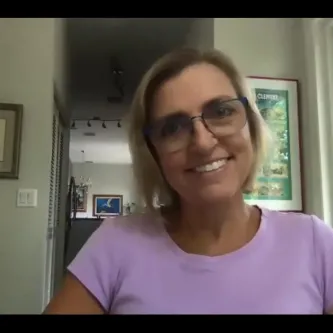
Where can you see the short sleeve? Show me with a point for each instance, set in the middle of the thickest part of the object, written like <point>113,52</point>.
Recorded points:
<point>323,240</point>
<point>94,266</point>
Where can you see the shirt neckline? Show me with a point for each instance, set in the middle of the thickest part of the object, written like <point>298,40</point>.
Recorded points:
<point>199,259</point>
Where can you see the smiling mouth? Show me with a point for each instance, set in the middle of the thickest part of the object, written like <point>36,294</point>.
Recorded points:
<point>213,166</point>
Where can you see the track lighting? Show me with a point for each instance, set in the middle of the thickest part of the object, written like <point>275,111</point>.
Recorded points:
<point>90,122</point>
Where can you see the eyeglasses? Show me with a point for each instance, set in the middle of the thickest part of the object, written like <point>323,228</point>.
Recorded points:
<point>221,117</point>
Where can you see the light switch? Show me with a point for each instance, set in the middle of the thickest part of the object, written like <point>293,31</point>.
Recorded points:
<point>27,198</point>
<point>21,198</point>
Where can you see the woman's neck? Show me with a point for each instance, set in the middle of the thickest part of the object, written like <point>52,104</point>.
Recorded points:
<point>215,229</point>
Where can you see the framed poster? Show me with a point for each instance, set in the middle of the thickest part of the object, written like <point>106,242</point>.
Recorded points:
<point>279,182</point>
<point>10,139</point>
<point>107,205</point>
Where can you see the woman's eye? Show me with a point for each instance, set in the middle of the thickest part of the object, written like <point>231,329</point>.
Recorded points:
<point>170,128</point>
<point>224,110</point>
<point>220,109</point>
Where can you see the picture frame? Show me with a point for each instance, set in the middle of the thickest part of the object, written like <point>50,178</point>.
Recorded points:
<point>279,182</point>
<point>81,198</point>
<point>11,117</point>
<point>105,205</point>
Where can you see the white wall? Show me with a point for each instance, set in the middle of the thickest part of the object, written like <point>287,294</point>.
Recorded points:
<point>108,145</point>
<point>263,47</point>
<point>26,67</point>
<point>317,99</point>
<point>106,179</point>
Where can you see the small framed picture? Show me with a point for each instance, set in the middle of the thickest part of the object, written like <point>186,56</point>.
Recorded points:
<point>10,139</point>
<point>105,205</point>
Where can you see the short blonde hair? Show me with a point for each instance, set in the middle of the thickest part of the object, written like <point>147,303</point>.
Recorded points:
<point>151,185</point>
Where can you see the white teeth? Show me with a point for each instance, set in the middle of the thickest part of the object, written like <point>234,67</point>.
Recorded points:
<point>212,166</point>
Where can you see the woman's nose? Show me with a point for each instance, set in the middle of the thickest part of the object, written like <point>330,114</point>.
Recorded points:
<point>203,139</point>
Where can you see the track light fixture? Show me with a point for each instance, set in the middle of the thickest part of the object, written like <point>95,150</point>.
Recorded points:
<point>90,122</point>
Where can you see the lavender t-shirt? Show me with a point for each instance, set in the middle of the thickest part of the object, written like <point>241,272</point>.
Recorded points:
<point>131,265</point>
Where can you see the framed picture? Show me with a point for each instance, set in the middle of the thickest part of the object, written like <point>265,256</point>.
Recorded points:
<point>10,139</point>
<point>279,182</point>
<point>107,205</point>
<point>81,198</point>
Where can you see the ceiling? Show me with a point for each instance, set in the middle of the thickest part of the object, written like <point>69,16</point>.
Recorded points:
<point>136,43</point>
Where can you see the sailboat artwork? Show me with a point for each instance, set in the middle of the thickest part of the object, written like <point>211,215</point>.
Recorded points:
<point>107,205</point>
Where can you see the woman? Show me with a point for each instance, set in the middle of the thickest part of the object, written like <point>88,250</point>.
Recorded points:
<point>197,140</point>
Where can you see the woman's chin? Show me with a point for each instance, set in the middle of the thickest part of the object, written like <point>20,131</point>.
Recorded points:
<point>212,194</point>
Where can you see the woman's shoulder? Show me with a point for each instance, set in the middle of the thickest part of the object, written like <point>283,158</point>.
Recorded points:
<point>122,233</point>
<point>294,220</point>
<point>300,228</point>
<point>308,239</point>
<point>130,226</point>
<point>112,248</point>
